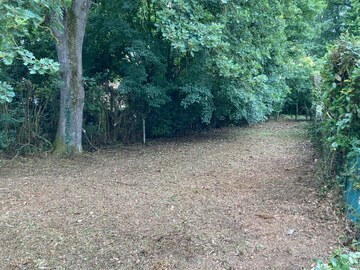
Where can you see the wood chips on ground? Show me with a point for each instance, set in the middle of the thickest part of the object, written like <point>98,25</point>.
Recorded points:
<point>234,198</point>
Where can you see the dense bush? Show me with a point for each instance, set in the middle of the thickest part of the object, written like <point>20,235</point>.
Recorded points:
<point>27,124</point>
<point>340,100</point>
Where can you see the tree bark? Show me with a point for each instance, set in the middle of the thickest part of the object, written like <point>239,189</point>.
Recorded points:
<point>69,46</point>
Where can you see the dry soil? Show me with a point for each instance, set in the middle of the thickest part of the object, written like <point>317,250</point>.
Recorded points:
<point>234,198</point>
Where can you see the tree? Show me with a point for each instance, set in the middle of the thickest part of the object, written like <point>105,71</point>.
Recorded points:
<point>331,24</point>
<point>67,22</point>
<point>178,64</point>
<point>194,63</point>
<point>69,45</point>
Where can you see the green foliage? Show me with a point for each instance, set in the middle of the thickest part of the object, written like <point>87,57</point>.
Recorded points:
<point>331,24</point>
<point>341,95</point>
<point>337,124</point>
<point>6,92</point>
<point>330,98</point>
<point>179,65</point>
<point>338,17</point>
<point>200,95</point>
<point>300,81</point>
<point>352,18</point>
<point>338,121</point>
<point>27,124</point>
<point>341,260</point>
<point>16,20</point>
<point>189,25</point>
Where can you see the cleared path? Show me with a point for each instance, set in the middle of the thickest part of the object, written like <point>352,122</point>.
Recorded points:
<point>236,198</point>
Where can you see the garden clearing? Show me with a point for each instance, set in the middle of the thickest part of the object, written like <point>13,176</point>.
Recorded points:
<point>233,198</point>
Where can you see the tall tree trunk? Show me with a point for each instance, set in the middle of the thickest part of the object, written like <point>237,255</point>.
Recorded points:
<point>69,50</point>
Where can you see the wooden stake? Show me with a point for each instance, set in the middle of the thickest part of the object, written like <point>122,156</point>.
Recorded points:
<point>144,130</point>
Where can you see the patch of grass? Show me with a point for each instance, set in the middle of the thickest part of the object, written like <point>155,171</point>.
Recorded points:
<point>298,132</point>
<point>293,117</point>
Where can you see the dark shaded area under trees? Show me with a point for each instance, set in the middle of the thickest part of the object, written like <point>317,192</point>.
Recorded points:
<point>176,66</point>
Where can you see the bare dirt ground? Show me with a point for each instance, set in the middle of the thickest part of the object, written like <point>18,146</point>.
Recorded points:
<point>235,198</point>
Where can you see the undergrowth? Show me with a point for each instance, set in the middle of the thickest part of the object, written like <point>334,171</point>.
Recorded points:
<point>342,259</point>
<point>335,134</point>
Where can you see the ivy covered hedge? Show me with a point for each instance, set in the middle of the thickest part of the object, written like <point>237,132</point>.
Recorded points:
<point>340,98</point>
<point>342,95</point>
